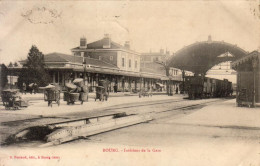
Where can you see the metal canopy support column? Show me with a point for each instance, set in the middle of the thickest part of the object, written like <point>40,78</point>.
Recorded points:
<point>53,77</point>
<point>254,64</point>
<point>58,77</point>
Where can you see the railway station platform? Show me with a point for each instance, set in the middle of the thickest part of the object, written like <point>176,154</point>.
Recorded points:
<point>224,115</point>
<point>39,107</point>
<point>40,96</point>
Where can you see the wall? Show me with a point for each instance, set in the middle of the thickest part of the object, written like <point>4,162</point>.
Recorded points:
<point>104,55</point>
<point>128,56</point>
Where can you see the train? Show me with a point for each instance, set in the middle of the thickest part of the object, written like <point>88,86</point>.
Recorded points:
<point>199,87</point>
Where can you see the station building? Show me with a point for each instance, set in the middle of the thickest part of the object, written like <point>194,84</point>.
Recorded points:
<point>104,59</point>
<point>158,60</point>
<point>248,79</point>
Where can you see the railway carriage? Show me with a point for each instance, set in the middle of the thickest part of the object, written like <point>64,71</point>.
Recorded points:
<point>204,87</point>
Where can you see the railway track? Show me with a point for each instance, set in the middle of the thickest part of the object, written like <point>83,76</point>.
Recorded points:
<point>68,129</point>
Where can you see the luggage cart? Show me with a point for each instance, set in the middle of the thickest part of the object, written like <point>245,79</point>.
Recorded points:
<point>76,91</point>
<point>52,95</point>
<point>72,97</point>
<point>12,100</point>
<point>101,93</point>
<point>144,93</point>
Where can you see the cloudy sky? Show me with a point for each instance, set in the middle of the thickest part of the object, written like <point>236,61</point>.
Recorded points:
<point>57,26</point>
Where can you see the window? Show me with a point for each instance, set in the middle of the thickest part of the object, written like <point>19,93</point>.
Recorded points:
<point>129,62</point>
<point>123,62</point>
<point>82,54</point>
<point>136,64</point>
<point>111,58</point>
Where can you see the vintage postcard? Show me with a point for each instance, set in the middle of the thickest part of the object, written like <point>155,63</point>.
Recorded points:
<point>130,82</point>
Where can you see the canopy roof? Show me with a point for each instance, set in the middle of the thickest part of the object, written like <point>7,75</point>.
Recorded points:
<point>202,56</point>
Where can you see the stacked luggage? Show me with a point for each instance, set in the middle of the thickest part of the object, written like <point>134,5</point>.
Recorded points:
<point>76,91</point>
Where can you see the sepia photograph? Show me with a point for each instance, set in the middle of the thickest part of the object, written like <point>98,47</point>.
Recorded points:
<point>130,82</point>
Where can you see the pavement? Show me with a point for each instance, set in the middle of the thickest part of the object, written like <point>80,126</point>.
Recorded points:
<point>226,114</point>
<point>39,96</point>
<point>38,107</point>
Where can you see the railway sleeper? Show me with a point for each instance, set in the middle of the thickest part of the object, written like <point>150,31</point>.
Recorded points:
<point>57,133</point>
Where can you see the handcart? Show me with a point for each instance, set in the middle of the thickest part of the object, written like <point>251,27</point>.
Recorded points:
<point>71,97</point>
<point>51,94</point>
<point>76,91</point>
<point>12,100</point>
<point>101,93</point>
<point>144,93</point>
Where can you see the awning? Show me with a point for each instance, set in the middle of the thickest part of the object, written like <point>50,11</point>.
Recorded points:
<point>250,56</point>
<point>161,85</point>
<point>77,80</point>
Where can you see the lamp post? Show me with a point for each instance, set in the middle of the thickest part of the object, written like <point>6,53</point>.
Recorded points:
<point>183,81</point>
<point>84,76</point>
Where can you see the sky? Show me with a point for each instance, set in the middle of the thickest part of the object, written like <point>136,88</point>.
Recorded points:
<point>56,26</point>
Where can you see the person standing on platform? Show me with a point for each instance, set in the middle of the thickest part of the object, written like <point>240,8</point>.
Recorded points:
<point>115,88</point>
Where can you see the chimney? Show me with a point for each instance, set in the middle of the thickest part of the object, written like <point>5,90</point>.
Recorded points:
<point>127,44</point>
<point>107,41</point>
<point>83,42</point>
<point>162,51</point>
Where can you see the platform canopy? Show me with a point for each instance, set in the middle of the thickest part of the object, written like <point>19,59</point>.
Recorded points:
<point>202,56</point>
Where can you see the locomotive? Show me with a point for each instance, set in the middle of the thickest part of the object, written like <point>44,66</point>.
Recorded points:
<point>204,87</point>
